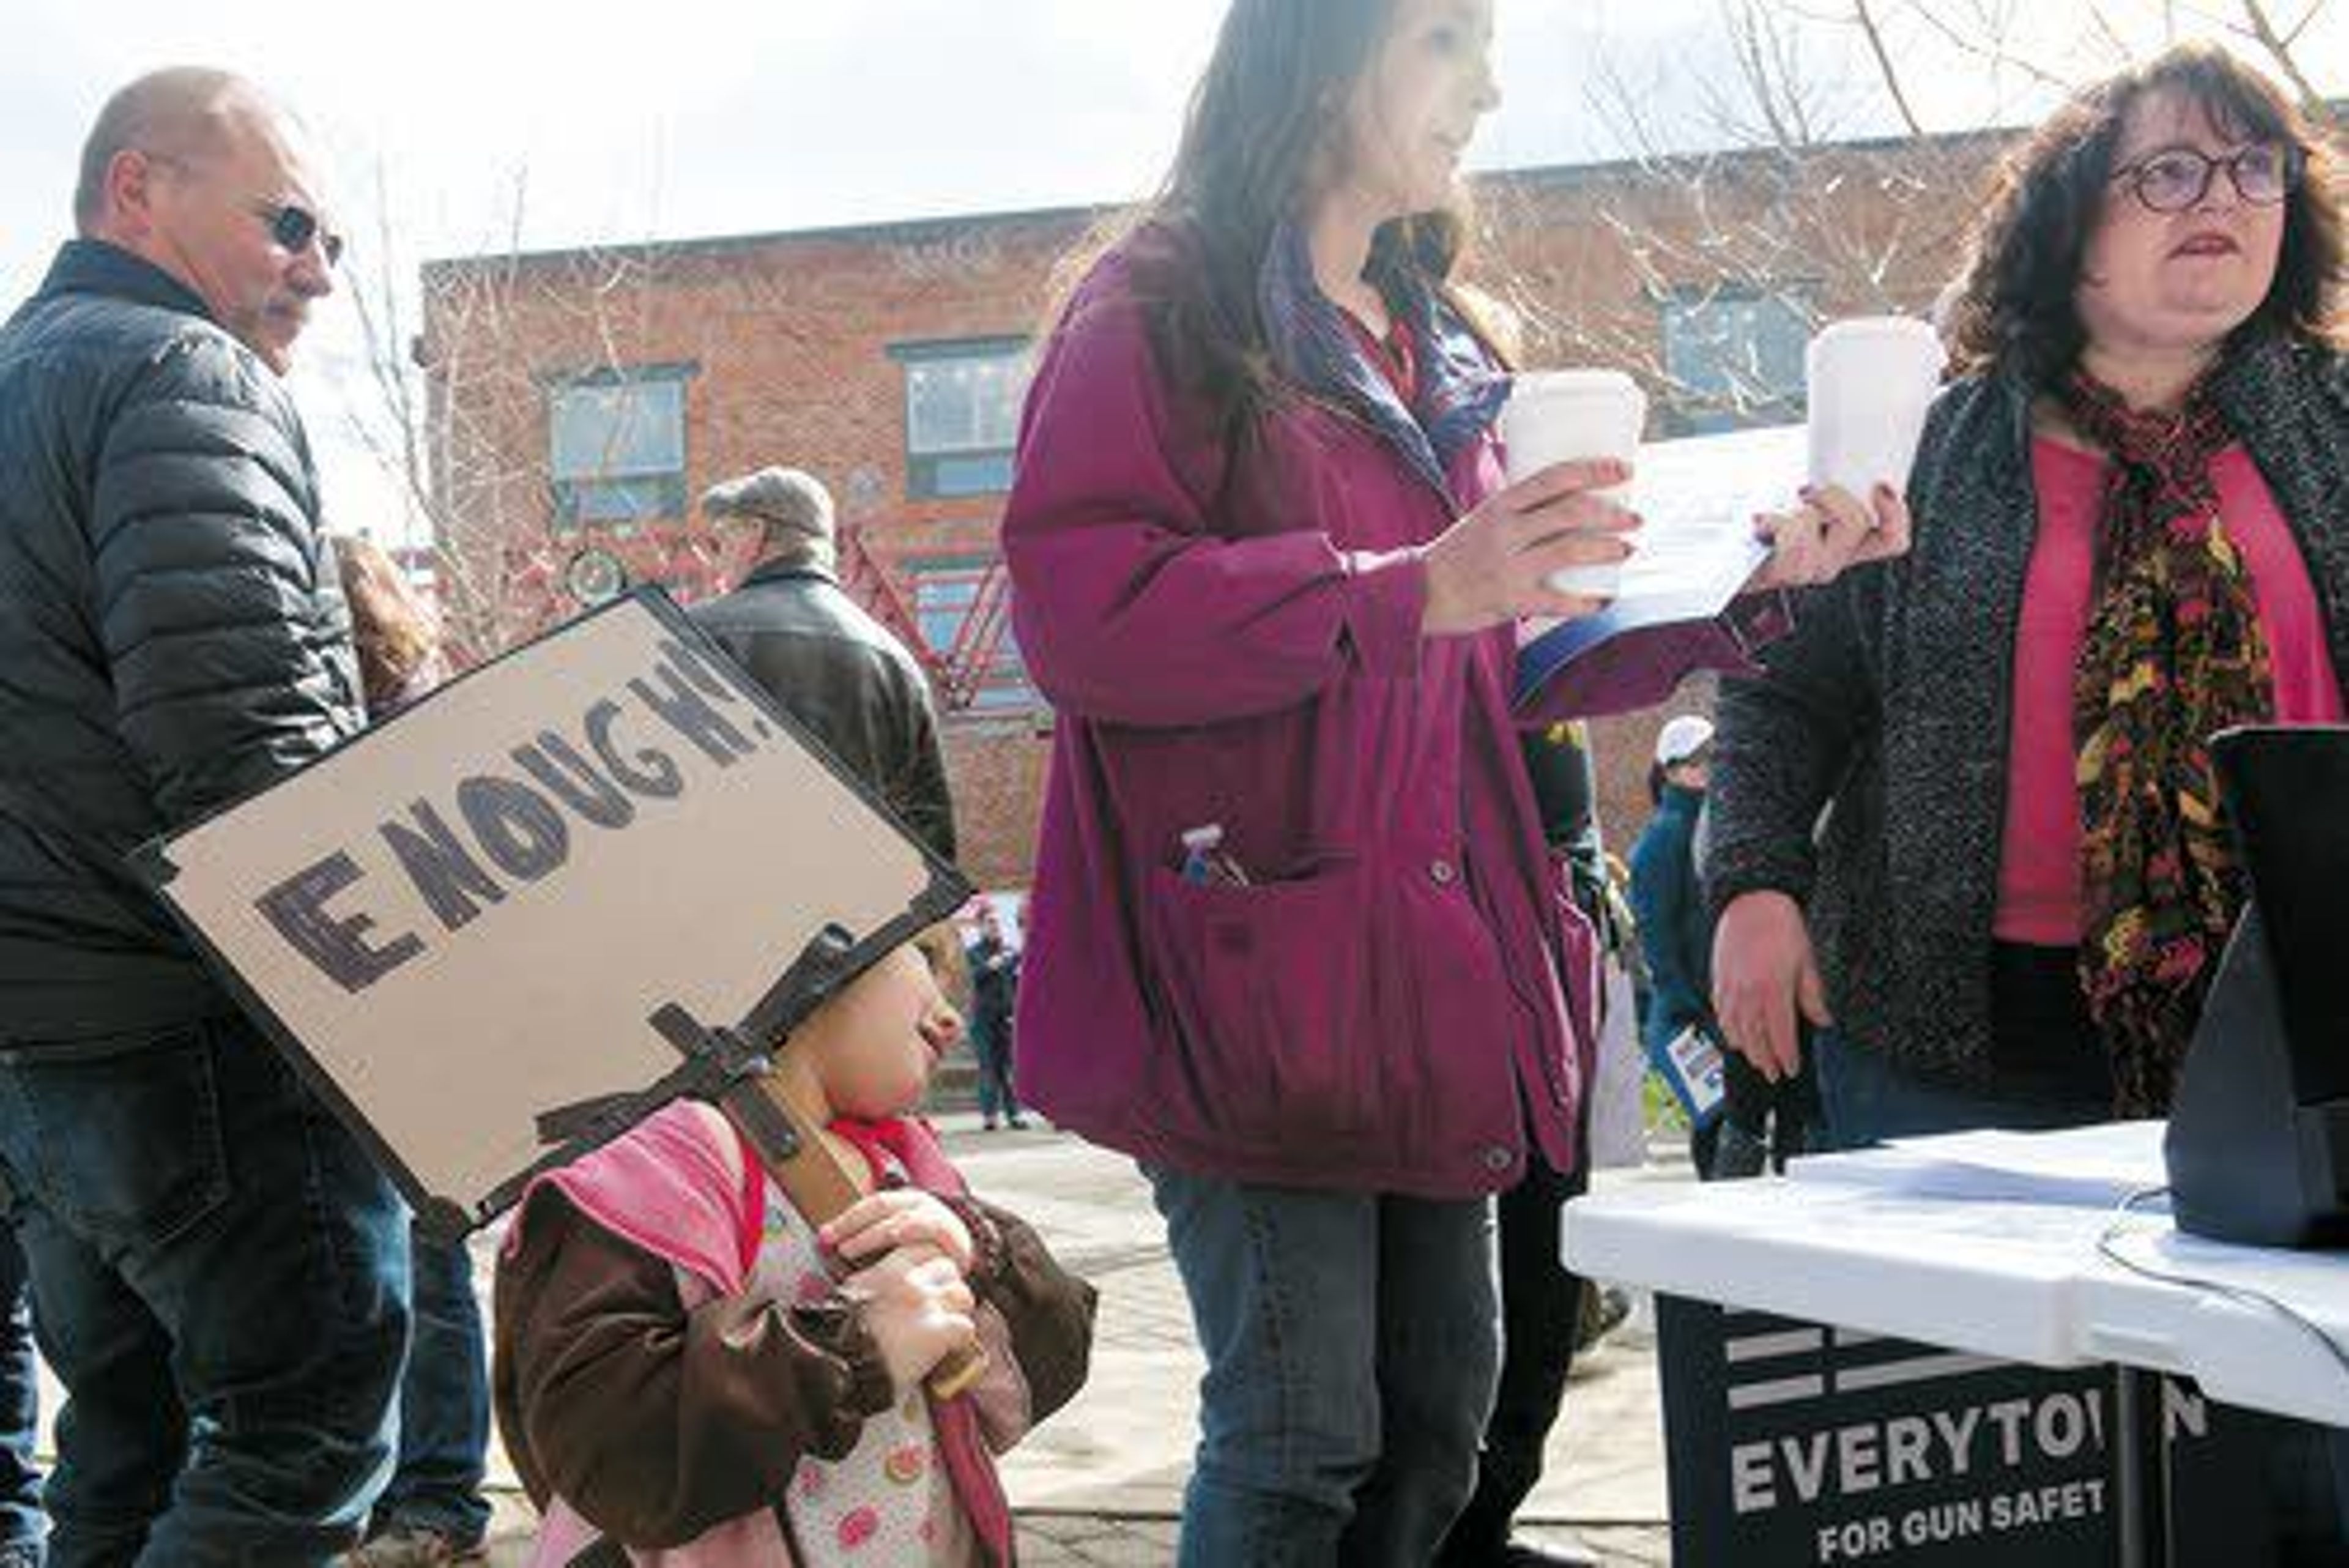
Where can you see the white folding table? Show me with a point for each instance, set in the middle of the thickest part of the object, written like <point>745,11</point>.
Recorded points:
<point>2018,1281</point>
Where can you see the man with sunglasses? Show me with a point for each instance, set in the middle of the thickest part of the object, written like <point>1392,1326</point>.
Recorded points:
<point>219,1270</point>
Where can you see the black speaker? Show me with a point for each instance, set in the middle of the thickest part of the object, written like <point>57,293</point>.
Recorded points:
<point>2257,1144</point>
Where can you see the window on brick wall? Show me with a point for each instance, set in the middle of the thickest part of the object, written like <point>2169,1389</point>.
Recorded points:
<point>946,590</point>
<point>1734,358</point>
<point>962,414</point>
<point>616,447</point>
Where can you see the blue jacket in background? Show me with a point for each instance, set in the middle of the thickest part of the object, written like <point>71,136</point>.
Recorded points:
<point>1675,929</point>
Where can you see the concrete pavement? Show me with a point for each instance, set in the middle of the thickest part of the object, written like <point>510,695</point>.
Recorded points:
<point>1123,1446</point>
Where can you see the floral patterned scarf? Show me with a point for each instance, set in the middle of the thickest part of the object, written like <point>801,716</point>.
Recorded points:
<point>2175,653</point>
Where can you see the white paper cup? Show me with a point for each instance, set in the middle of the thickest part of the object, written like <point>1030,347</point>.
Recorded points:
<point>1569,416</point>
<point>1871,380</point>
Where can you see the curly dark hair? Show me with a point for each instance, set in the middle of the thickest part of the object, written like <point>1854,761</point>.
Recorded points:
<point>2014,309</point>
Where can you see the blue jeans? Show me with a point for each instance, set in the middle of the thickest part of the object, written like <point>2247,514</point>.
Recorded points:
<point>1868,1097</point>
<point>991,1042</point>
<point>444,1403</point>
<point>1541,1313</point>
<point>220,1276</point>
<point>1352,1343</point>
<point>20,1403</point>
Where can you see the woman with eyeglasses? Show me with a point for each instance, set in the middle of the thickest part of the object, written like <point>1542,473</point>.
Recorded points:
<point>2132,531</point>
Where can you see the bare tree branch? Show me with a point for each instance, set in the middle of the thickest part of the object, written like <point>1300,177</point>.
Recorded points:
<point>2257,25</point>
<point>1989,44</point>
<point>1872,31</point>
<point>2292,34</point>
<point>1768,71</point>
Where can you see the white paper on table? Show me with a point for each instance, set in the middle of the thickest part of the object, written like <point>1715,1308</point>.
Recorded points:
<point>2082,1167</point>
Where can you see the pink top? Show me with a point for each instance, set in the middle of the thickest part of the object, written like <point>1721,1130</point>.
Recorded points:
<point>892,1499</point>
<point>2039,861</point>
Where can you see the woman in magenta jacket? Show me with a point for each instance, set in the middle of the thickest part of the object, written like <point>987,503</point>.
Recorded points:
<point>1266,568</point>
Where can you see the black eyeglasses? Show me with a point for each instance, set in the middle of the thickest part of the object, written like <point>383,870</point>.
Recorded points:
<point>294,227</point>
<point>2177,178</point>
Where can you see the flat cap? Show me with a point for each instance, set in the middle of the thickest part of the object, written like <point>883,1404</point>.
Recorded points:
<point>787,500</point>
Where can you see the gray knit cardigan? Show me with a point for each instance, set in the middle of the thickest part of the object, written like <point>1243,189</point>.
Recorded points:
<point>1892,701</point>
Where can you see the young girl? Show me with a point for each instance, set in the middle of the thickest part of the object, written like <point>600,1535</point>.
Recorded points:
<point>683,1369</point>
<point>1296,943</point>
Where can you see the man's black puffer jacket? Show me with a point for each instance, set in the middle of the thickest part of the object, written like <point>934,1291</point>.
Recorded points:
<point>172,635</point>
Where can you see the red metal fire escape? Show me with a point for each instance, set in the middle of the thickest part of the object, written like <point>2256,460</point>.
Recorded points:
<point>962,672</point>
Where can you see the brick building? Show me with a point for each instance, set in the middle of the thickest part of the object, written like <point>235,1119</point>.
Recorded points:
<point>580,401</point>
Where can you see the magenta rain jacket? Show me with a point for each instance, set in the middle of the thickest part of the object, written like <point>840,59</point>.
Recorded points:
<point>1401,991</point>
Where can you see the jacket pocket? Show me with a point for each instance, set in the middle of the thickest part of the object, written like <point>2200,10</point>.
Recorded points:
<point>1265,988</point>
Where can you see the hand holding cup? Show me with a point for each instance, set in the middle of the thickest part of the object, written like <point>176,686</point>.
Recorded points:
<point>1505,560</point>
<point>1871,382</point>
<point>1571,416</point>
<point>1831,529</point>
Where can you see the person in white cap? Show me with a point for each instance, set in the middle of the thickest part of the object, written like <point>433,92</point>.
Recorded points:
<point>1667,901</point>
<point>1676,936</point>
<point>1682,743</point>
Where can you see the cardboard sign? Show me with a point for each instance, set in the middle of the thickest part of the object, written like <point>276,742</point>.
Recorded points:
<point>460,923</point>
<point>1798,1445</point>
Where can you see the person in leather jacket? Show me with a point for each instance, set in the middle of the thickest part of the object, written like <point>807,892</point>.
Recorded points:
<point>836,669</point>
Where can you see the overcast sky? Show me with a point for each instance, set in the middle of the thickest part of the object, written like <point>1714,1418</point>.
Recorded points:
<point>466,124</point>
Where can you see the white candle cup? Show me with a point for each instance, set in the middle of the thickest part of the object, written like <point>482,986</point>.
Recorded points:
<point>1871,380</point>
<point>1572,416</point>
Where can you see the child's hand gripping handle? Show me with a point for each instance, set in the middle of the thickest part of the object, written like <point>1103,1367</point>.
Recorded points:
<point>822,1187</point>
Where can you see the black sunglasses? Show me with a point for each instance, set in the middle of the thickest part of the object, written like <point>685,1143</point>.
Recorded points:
<point>291,228</point>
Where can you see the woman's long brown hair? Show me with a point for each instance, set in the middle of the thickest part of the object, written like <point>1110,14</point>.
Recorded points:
<point>1260,132</point>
